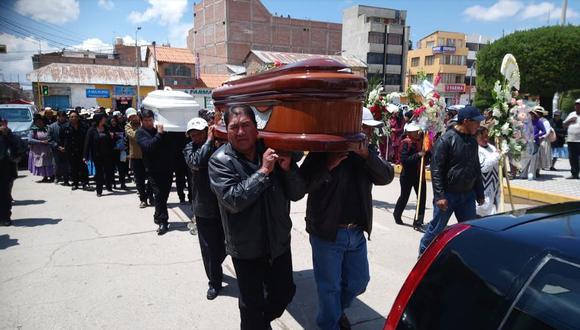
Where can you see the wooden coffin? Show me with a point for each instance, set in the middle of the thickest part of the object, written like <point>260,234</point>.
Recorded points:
<point>311,105</point>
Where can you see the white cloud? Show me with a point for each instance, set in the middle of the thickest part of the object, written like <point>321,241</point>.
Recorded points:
<point>18,58</point>
<point>166,12</point>
<point>53,11</point>
<point>178,35</point>
<point>106,4</point>
<point>537,10</point>
<point>499,10</point>
<point>95,45</point>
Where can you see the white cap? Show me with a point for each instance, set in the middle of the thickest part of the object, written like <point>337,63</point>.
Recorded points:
<point>107,110</point>
<point>198,124</point>
<point>412,127</point>
<point>116,113</point>
<point>130,112</point>
<point>368,119</point>
<point>577,101</point>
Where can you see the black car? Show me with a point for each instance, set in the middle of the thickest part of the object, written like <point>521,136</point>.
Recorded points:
<point>518,270</point>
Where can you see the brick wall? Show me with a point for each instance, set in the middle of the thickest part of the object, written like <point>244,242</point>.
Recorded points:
<point>125,56</point>
<point>226,30</point>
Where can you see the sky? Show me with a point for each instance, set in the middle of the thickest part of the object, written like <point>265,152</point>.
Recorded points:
<point>26,25</point>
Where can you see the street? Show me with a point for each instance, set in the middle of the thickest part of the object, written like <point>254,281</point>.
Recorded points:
<point>75,261</point>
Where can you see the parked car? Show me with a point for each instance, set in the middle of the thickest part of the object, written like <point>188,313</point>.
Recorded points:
<point>19,118</point>
<point>519,270</point>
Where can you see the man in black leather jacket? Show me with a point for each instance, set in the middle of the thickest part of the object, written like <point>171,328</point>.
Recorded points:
<point>338,212</point>
<point>205,206</point>
<point>158,155</point>
<point>12,148</point>
<point>254,187</point>
<point>456,175</point>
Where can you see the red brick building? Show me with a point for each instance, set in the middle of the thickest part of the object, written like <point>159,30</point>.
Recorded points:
<point>224,32</point>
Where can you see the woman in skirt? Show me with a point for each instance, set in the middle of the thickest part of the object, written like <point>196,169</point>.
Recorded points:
<point>40,160</point>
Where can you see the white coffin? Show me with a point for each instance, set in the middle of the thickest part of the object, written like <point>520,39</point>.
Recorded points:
<point>173,109</point>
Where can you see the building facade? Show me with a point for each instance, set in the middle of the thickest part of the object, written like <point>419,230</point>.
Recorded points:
<point>474,43</point>
<point>443,53</point>
<point>378,36</point>
<point>224,32</point>
<point>66,85</point>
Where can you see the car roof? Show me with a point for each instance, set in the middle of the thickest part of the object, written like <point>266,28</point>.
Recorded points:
<point>552,227</point>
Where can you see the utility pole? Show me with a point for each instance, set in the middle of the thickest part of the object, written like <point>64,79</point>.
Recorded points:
<point>37,76</point>
<point>471,80</point>
<point>155,62</point>
<point>385,48</point>
<point>138,69</point>
<point>563,15</point>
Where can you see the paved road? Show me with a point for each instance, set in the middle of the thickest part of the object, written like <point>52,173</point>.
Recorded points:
<point>75,261</point>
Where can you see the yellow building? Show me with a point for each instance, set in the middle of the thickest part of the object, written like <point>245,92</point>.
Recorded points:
<point>443,53</point>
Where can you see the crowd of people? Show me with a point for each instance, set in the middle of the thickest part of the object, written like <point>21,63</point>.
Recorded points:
<point>241,191</point>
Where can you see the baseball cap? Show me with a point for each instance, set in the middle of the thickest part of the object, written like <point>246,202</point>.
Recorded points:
<point>368,119</point>
<point>577,101</point>
<point>130,112</point>
<point>198,124</point>
<point>116,113</point>
<point>471,113</point>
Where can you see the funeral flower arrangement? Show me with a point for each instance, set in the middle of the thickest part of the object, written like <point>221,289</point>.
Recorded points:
<point>509,116</point>
<point>429,106</point>
<point>382,109</point>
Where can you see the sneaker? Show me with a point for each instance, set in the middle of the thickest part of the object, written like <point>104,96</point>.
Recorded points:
<point>143,205</point>
<point>572,177</point>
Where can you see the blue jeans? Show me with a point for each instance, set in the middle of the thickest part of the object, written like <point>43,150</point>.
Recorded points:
<point>462,204</point>
<point>341,272</point>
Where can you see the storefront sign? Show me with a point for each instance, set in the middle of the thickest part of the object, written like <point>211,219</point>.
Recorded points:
<point>460,88</point>
<point>100,93</point>
<point>124,91</point>
<point>197,91</point>
<point>443,49</point>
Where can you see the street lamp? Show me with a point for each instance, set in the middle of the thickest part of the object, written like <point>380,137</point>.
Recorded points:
<point>137,68</point>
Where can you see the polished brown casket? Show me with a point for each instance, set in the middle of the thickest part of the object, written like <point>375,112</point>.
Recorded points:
<point>311,105</point>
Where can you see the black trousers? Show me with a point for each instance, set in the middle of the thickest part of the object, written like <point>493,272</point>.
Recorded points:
<point>573,155</point>
<point>265,289</point>
<point>160,186</point>
<point>62,169</point>
<point>121,167</point>
<point>143,188</point>
<point>6,180</point>
<point>213,251</point>
<point>104,174</point>
<point>407,184</point>
<point>182,179</point>
<point>78,170</point>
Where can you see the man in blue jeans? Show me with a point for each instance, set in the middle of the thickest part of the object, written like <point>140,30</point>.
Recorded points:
<point>456,175</point>
<point>338,212</point>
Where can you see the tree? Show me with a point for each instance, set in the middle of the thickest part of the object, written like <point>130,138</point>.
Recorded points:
<point>548,58</point>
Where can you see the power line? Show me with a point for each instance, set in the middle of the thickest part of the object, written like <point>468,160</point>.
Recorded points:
<point>39,31</point>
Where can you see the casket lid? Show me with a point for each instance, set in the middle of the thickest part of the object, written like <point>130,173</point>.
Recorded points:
<point>167,98</point>
<point>172,108</point>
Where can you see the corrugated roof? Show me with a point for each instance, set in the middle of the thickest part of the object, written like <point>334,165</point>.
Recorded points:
<point>285,58</point>
<point>173,55</point>
<point>66,73</point>
<point>213,80</point>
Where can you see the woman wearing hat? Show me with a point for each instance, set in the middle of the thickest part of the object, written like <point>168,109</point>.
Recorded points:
<point>40,158</point>
<point>531,164</point>
<point>489,160</point>
<point>411,153</point>
<point>545,145</point>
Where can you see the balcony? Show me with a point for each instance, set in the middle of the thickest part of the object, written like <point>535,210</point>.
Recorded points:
<point>380,27</point>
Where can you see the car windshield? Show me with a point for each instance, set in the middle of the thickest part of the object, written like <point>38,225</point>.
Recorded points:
<point>15,114</point>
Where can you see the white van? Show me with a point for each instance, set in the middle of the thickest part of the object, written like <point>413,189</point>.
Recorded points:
<point>19,117</point>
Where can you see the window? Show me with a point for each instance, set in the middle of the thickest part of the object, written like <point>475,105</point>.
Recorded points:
<point>450,42</point>
<point>453,59</point>
<point>393,59</point>
<point>459,79</point>
<point>375,58</point>
<point>413,79</point>
<point>472,46</point>
<point>430,44</point>
<point>429,60</point>
<point>441,42</point>
<point>430,77</point>
<point>415,61</point>
<point>177,70</point>
<point>550,301</point>
<point>376,38</point>
<point>393,79</point>
<point>395,39</point>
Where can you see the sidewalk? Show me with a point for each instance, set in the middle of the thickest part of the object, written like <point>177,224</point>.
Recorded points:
<point>550,187</point>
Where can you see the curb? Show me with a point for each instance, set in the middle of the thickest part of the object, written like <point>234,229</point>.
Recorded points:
<point>521,192</point>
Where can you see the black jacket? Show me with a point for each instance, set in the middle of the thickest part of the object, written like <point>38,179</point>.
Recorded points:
<point>410,158</point>
<point>98,147</point>
<point>255,208</point>
<point>73,140</point>
<point>12,148</point>
<point>455,165</point>
<point>157,150</point>
<point>326,190</point>
<point>558,126</point>
<point>205,203</point>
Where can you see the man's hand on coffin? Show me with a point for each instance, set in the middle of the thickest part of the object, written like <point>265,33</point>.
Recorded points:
<point>160,128</point>
<point>268,161</point>
<point>363,151</point>
<point>285,160</point>
<point>210,136</point>
<point>334,159</point>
